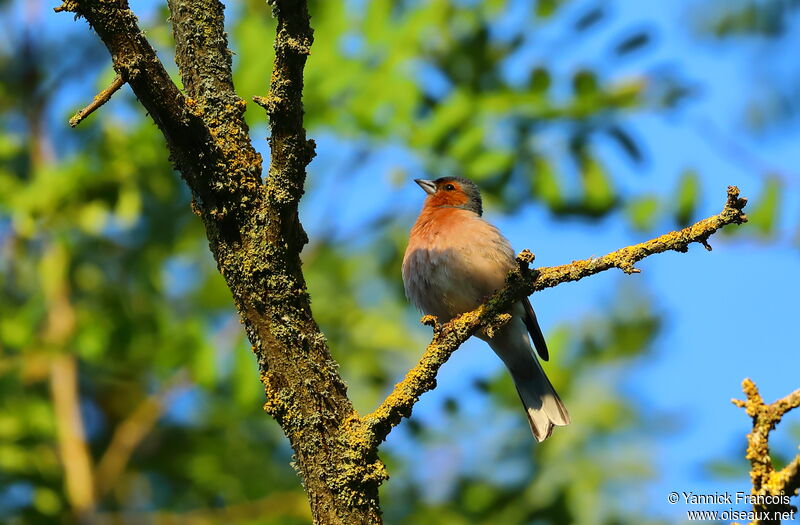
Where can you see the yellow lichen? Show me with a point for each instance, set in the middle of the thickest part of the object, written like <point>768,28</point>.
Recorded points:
<point>765,479</point>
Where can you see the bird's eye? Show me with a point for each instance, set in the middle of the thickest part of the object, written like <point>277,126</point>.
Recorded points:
<point>449,187</point>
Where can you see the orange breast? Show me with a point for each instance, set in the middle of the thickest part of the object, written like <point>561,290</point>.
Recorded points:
<point>454,260</point>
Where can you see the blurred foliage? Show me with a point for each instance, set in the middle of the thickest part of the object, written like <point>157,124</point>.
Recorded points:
<point>102,261</point>
<point>764,18</point>
<point>771,104</point>
<point>434,76</point>
<point>768,27</point>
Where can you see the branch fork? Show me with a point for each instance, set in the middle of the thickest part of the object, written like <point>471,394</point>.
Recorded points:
<point>765,479</point>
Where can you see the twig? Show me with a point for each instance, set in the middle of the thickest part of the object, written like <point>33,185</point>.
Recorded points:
<point>520,283</point>
<point>772,489</point>
<point>134,58</point>
<point>99,99</point>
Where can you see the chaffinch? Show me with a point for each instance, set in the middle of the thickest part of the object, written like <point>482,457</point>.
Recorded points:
<point>453,262</point>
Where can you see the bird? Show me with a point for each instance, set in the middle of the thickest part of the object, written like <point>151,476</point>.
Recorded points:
<point>453,262</point>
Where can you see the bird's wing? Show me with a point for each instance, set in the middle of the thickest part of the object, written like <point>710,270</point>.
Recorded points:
<point>533,328</point>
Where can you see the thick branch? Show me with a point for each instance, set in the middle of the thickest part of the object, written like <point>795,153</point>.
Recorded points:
<point>204,61</point>
<point>201,49</point>
<point>305,392</point>
<point>766,480</point>
<point>448,337</point>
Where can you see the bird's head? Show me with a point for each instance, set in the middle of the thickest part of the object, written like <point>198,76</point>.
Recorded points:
<point>452,192</point>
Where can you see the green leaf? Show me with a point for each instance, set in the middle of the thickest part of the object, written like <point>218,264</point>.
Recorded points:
<point>129,205</point>
<point>626,142</point>
<point>203,364</point>
<point>764,212</point>
<point>643,212</point>
<point>632,43</point>
<point>584,83</point>
<point>467,142</point>
<point>599,196</point>
<point>687,198</point>
<point>489,163</point>
<point>547,8</point>
<point>545,183</point>
<point>47,501</point>
<point>449,116</point>
<point>590,18</point>
<point>540,80</point>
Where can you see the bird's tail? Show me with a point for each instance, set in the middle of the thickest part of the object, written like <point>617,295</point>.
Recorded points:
<point>542,404</point>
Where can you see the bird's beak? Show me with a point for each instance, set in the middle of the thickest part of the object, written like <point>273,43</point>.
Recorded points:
<point>428,185</point>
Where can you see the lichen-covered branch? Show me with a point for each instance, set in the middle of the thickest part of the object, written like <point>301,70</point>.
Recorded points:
<point>204,62</point>
<point>305,392</point>
<point>448,337</point>
<point>201,51</point>
<point>772,488</point>
<point>290,150</point>
<point>625,258</point>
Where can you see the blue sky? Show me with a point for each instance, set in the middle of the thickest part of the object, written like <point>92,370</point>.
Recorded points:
<point>732,313</point>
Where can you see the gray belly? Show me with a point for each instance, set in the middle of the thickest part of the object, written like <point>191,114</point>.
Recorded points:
<point>449,282</point>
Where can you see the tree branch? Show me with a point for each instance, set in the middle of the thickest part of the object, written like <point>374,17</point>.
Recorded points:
<point>75,456</point>
<point>136,62</point>
<point>521,283</point>
<point>100,99</point>
<point>766,480</point>
<point>291,151</point>
<point>204,61</point>
<point>223,175</point>
<point>129,434</point>
<point>201,49</point>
